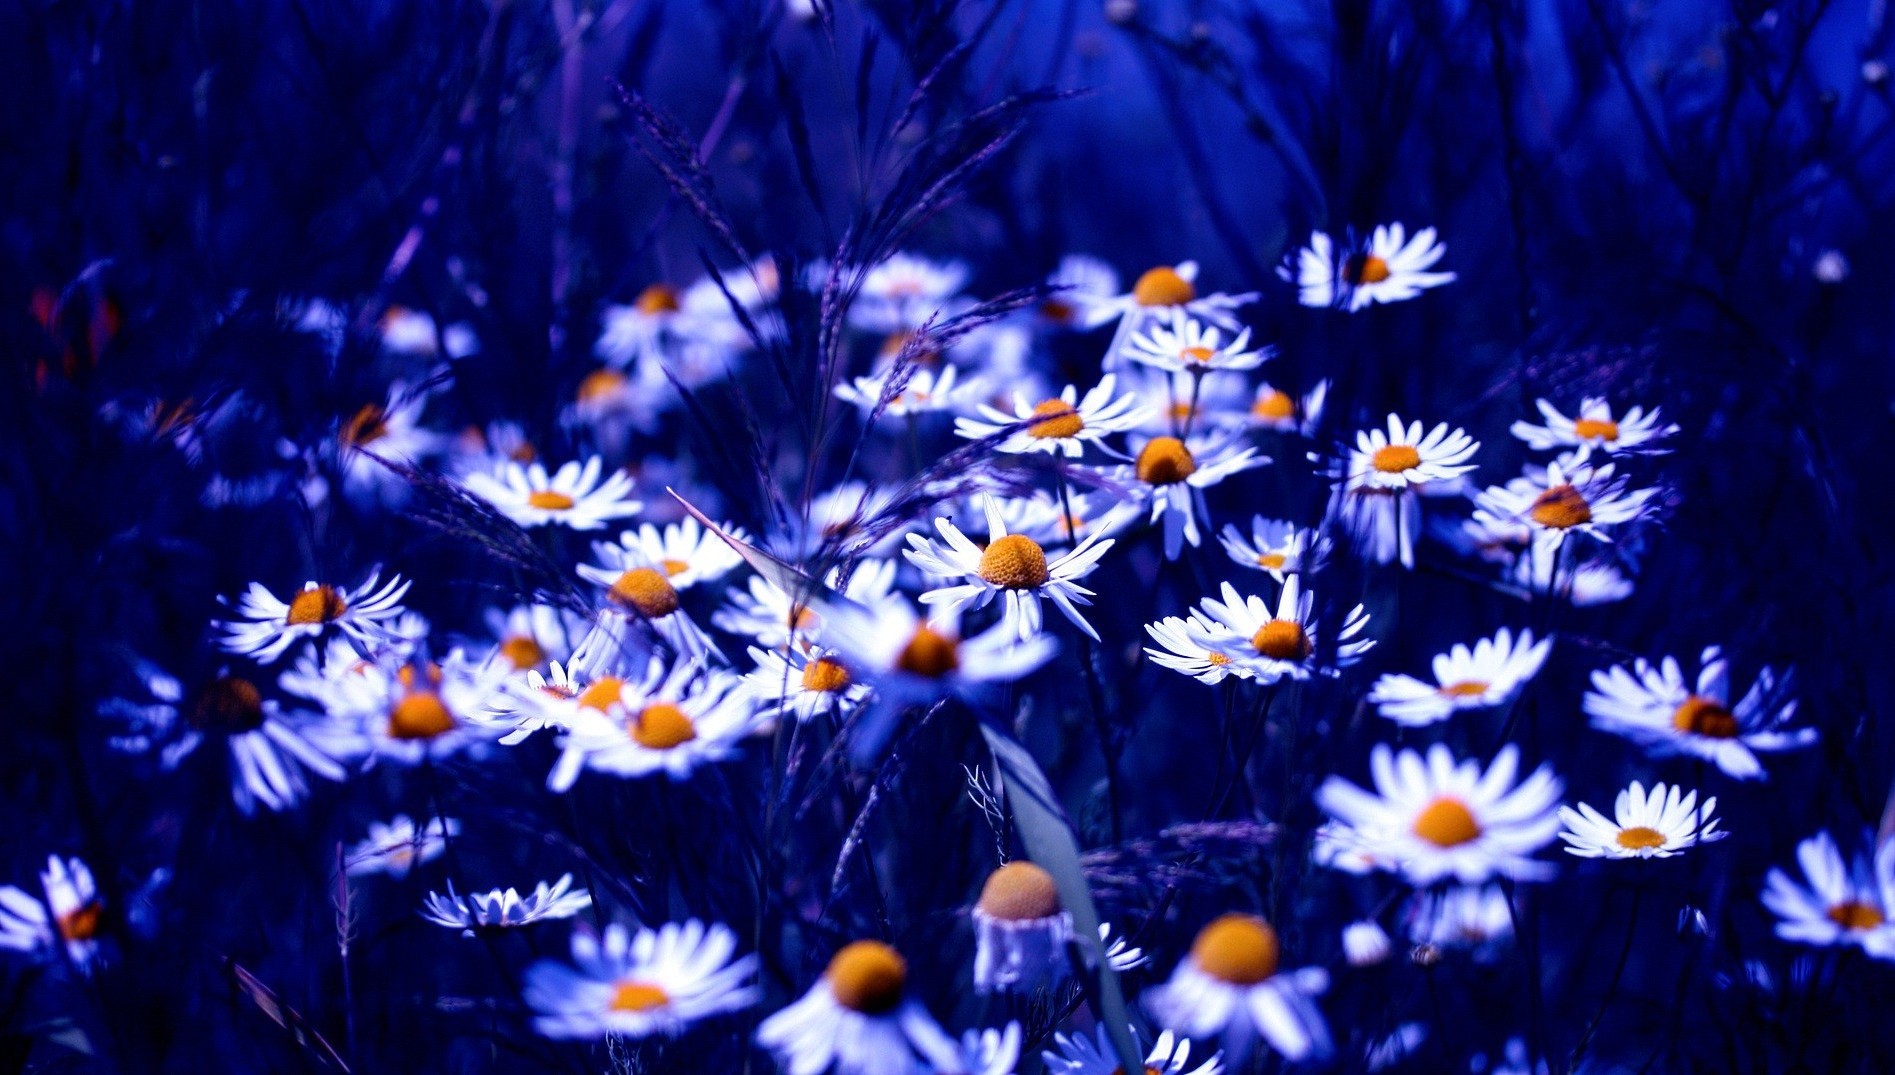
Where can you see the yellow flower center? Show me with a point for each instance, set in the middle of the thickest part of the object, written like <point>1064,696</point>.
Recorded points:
<point>599,384</point>
<point>1273,561</point>
<point>825,675</point>
<point>1196,356</point>
<point>645,591</point>
<point>1274,406</point>
<point>229,704</point>
<point>658,299</point>
<point>548,500</point>
<point>1163,286</point>
<point>1359,269</point>
<point>1855,915</point>
<point>1216,658</point>
<point>1395,458</point>
<point>420,715</point>
<point>1640,837</point>
<point>1057,420</point>
<point>1019,892</point>
<point>868,977</point>
<point>1596,429</point>
<point>661,726</point>
<point>1705,716</point>
<point>1447,823</point>
<point>1165,461</point>
<point>364,427</point>
<point>1282,640</point>
<point>638,997</point>
<point>1239,949</point>
<point>929,653</point>
<point>523,652</point>
<point>1467,688</point>
<point>81,924</point>
<point>1015,562</point>
<point>601,694</point>
<point>1561,508</point>
<point>318,604</point>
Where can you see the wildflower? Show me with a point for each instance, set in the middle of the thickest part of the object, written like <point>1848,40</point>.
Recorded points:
<point>1065,424</point>
<point>573,497</point>
<point>1473,917</point>
<point>1161,291</point>
<point>1364,943</point>
<point>858,1019</point>
<point>1842,903</point>
<point>1048,520</point>
<point>1643,826</point>
<point>1079,282</point>
<point>640,586</point>
<point>407,712</point>
<point>71,916</point>
<point>1278,547</point>
<point>1634,432</point>
<point>391,430</point>
<point>1012,567</point>
<point>1171,474</point>
<point>1442,818</point>
<point>1020,931</point>
<point>269,627</point>
<point>1092,1054</point>
<point>672,720</point>
<point>1231,985</point>
<point>1189,346</point>
<point>990,1052</point>
<point>1390,268</point>
<point>916,390</point>
<point>776,621</point>
<point>399,846</point>
<point>268,750</point>
<point>504,908</point>
<point>905,291</point>
<point>655,981</point>
<point>1655,708</point>
<point>1181,652</point>
<point>530,636</point>
<point>1273,408</point>
<point>804,683</point>
<point>1266,646</point>
<point>407,331</point>
<point>1572,498</point>
<point>688,553</point>
<point>1403,457</point>
<point>1487,676</point>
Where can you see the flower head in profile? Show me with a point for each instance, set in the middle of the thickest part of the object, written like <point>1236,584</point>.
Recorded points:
<point>654,981</point>
<point>1656,707</point>
<point>1169,476</point>
<point>1636,432</point>
<point>1276,409</point>
<point>1566,499</point>
<point>504,908</point>
<point>1182,344</point>
<point>1656,825</point>
<point>398,846</point>
<point>1020,931</point>
<point>574,496</point>
<point>910,390</point>
<point>1064,424</point>
<point>1077,284</point>
<point>1231,986</point>
<point>1390,267</point>
<point>1163,291</point>
<point>674,719</point>
<point>1268,645</point>
<point>266,628</point>
<point>1474,918</point>
<point>1274,546</point>
<point>72,914</point>
<point>1839,902</point>
<point>860,1018</point>
<point>1012,568</point>
<point>1487,676</point>
<point>804,683</point>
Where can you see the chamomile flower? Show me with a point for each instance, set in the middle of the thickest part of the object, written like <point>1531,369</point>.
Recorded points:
<point>1566,499</point>
<point>1440,818</point>
<point>1655,707</point>
<point>1403,456</point>
<point>1161,291</point>
<point>1092,1054</point>
<point>775,620</point>
<point>1273,408</point>
<point>1277,547</point>
<point>1591,581</point>
<point>1189,346</point>
<point>859,1019</point>
<point>688,553</point>
<point>408,712</point>
<point>635,330</point>
<point>671,721</point>
<point>1634,432</point>
<point>527,637</point>
<point>1390,267</point>
<point>399,846</point>
<point>913,390</point>
<point>573,496</point>
<point>1658,825</point>
<point>1170,475</point>
<point>76,912</point>
<point>1065,424</point>
<point>655,981</point>
<point>391,430</point>
<point>1476,918</point>
<point>1012,567</point>
<point>804,683</point>
<point>993,1051</point>
<point>1181,652</point>
<point>532,701</point>
<point>1231,985</point>
<point>640,587</point>
<point>1079,282</point>
<point>268,749</point>
<point>269,627</point>
<point>504,908</point>
<point>1020,931</point>
<point>1487,676</point>
<point>1268,646</point>
<point>904,291</point>
<point>407,331</point>
<point>1840,902</point>
<point>1043,517</point>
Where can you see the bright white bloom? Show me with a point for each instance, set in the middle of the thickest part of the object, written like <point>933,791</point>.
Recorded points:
<point>573,496</point>
<point>1159,292</point>
<point>392,431</point>
<point>640,587</point>
<point>72,913</point>
<point>776,620</point>
<point>1171,475</point>
<point>858,1019</point>
<point>504,908</point>
<point>1273,408</point>
<point>1441,818</point>
<point>1268,646</point>
<point>1278,547</point>
<point>804,683</point>
<point>1092,1054</point>
<point>269,627</point>
<point>1365,943</point>
<point>921,392</point>
<point>657,981</point>
<point>1064,425</point>
<point>398,847</point>
<point>405,712</point>
<point>688,553</point>
<point>1046,520</point>
<point>1642,826</point>
<point>1567,499</point>
<point>1012,567</point>
<point>1590,582</point>
<point>529,636</point>
<point>1231,985</point>
<point>407,331</point>
<point>268,749</point>
<point>904,291</point>
<point>1080,282</point>
<point>532,701</point>
<point>1474,917</point>
<point>1634,432</point>
<point>1180,651</point>
<point>1655,707</point>
<point>673,720</point>
<point>1188,346</point>
<point>1841,903</point>
<point>1487,676</point>
<point>1390,268</point>
<point>1403,456</point>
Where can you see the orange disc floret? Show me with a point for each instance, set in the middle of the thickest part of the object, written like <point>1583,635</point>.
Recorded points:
<point>421,715</point>
<point>1705,716</point>
<point>868,977</point>
<point>1561,508</point>
<point>662,726</point>
<point>1165,461</point>
<point>1282,640</point>
<point>1018,892</point>
<point>1057,420</point>
<point>647,592</point>
<point>825,675</point>
<point>1163,286</point>
<point>929,653</point>
<point>1447,823</point>
<point>1239,949</point>
<point>317,604</point>
<point>1014,562</point>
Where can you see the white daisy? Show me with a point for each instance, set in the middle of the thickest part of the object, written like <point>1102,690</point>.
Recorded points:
<point>1273,408</point>
<point>77,913</point>
<point>775,620</point>
<point>1158,292</point>
<point>904,291</point>
<point>1189,346</point>
<point>1043,517</point>
<point>1020,931</point>
<point>397,847</point>
<point>640,587</point>
<point>1390,267</point>
<point>1440,818</point>
<point>688,553</point>
<point>804,683</point>
<point>1488,676</point>
<point>673,720</point>
<point>1231,985</point>
<point>1842,903</point>
<point>1403,456</point>
<point>1477,918</point>
<point>1278,547</point>
<point>391,430</point>
<point>858,1019</point>
<point>407,331</point>
<point>1012,567</point>
<point>1170,475</point>
<point>1634,432</point>
<point>1180,651</point>
<point>1079,282</point>
<point>269,627</point>
<point>1643,826</point>
<point>530,701</point>
<point>406,712</point>
<point>656,981</point>
<point>915,390</point>
<point>630,332</point>
<point>529,636</point>
<point>1655,707</point>
<point>504,908</point>
<point>1065,424</point>
<point>573,497</point>
<point>1268,646</point>
<point>268,750</point>
<point>1092,1054</point>
<point>1576,498</point>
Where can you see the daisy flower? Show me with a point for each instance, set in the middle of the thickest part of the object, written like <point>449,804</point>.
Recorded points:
<point>632,331</point>
<point>1231,985</point>
<point>530,636</point>
<point>775,620</point>
<point>1181,652</point>
<point>407,712</point>
<point>655,981</point>
<point>1841,903</point>
<point>1473,917</point>
<point>1064,425</point>
<point>688,553</point>
<point>1390,267</point>
<point>1655,707</point>
<point>391,430</point>
<point>504,908</point>
<point>1044,518</point>
<point>1365,943</point>
<point>1079,282</point>
<point>1441,818</point>
<point>1571,498</point>
<point>1012,567</point>
<point>1091,1054</point>
<point>1488,676</point>
<point>1634,432</point>
<point>268,751</point>
<point>1278,547</point>
<point>641,586</point>
<point>1403,457</point>
<point>268,627</point>
<point>1589,582</point>
<point>1161,291</point>
<point>1273,408</point>
<point>904,291</point>
<point>1020,931</point>
<point>531,701</point>
<point>76,911</point>
<point>1189,346</point>
<point>1643,826</point>
<point>573,496</point>
<point>1268,646</point>
<point>915,390</point>
<point>804,683</point>
<point>858,1019</point>
<point>407,331</point>
<point>672,721</point>
<point>1171,475</point>
<point>398,846</point>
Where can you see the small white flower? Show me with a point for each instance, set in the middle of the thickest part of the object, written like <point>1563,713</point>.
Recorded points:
<point>775,620</point>
<point>405,712</point>
<point>1654,707</point>
<point>1188,346</point>
<point>1403,456</point>
<point>1159,292</point>
<point>1473,917</point>
<point>1658,825</point>
<point>859,1019</point>
<point>1572,498</point>
<point>1092,1054</point>
<point>904,291</point>
<point>1487,676</point>
<point>1841,903</point>
<point>1273,408</point>
<point>1063,425</point>
<point>914,391</point>
<point>673,720</point>
<point>1231,985</point>
<point>657,981</point>
<point>1020,931</point>
<point>804,683</point>
<point>1170,475</point>
<point>573,497</point>
<point>504,908</point>
<point>1268,646</point>
<point>1012,567</point>
<point>76,910</point>
<point>991,1051</point>
<point>269,627</point>
<point>1277,547</point>
<point>1389,268</point>
<point>398,846</point>
<point>688,553</point>
<point>1634,432</point>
